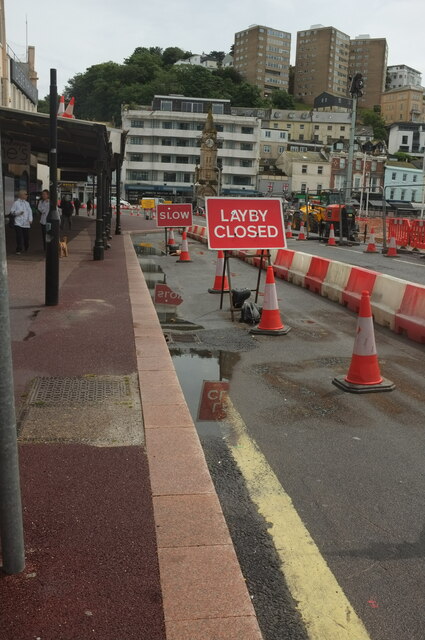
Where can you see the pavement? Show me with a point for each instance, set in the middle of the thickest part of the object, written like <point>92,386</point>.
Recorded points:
<point>124,534</point>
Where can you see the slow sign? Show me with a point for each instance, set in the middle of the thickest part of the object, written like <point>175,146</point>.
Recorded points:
<point>245,223</point>
<point>174,215</point>
<point>165,295</point>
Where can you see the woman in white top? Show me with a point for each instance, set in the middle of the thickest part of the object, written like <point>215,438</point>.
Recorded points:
<point>22,216</point>
<point>44,208</point>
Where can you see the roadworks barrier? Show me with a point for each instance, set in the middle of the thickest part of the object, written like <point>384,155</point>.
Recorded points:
<point>395,303</point>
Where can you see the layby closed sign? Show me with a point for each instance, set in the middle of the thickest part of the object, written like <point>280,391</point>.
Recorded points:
<point>245,223</point>
<point>174,215</point>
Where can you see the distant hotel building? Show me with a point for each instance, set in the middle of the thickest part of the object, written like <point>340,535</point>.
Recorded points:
<point>400,75</point>
<point>163,147</point>
<point>368,56</point>
<point>261,56</point>
<point>321,63</point>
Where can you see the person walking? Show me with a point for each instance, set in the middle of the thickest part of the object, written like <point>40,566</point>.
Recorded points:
<point>77,205</point>
<point>43,208</point>
<point>67,211</point>
<point>22,217</point>
<point>89,207</point>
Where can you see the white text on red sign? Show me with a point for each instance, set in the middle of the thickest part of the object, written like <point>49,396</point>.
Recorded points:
<point>174,215</point>
<point>242,231</point>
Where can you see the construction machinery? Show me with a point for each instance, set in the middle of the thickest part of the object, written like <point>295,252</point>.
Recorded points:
<point>317,211</point>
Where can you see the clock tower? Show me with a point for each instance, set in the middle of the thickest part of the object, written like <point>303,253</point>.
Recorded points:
<point>207,173</point>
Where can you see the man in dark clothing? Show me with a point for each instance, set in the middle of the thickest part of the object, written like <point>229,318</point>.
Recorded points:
<point>77,205</point>
<point>67,211</point>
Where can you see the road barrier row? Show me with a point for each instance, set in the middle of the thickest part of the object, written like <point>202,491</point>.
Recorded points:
<point>396,304</point>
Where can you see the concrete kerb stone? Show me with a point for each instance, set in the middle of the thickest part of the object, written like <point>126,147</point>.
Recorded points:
<point>173,448</point>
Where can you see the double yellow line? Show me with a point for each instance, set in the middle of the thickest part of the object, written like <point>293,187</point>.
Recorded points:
<point>324,608</point>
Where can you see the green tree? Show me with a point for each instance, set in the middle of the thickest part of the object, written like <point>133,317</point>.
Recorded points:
<point>247,95</point>
<point>217,55</point>
<point>282,100</point>
<point>371,118</point>
<point>43,105</point>
<point>172,54</point>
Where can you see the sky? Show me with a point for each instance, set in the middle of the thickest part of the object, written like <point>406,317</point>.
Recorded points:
<point>72,36</point>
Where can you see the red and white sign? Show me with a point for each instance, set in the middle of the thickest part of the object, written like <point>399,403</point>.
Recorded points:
<point>165,295</point>
<point>213,401</point>
<point>245,223</point>
<point>174,215</point>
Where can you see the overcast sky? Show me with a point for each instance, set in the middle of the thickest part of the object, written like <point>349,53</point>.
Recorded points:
<point>71,36</point>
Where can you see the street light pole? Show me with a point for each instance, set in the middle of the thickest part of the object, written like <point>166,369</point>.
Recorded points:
<point>52,222</point>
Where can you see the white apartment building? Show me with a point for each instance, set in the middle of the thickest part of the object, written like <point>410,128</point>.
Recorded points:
<point>400,75</point>
<point>162,148</point>
<point>408,137</point>
<point>306,171</point>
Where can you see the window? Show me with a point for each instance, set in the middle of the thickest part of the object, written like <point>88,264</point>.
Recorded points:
<point>198,107</point>
<point>137,124</point>
<point>135,157</point>
<point>166,142</point>
<point>358,165</point>
<point>414,178</point>
<point>218,109</point>
<point>166,159</point>
<point>136,140</point>
<point>167,125</point>
<point>249,130</point>
<point>404,177</point>
<point>373,165</point>
<point>320,169</point>
<point>303,187</point>
<point>329,127</point>
<point>281,149</point>
<point>247,146</point>
<point>342,163</point>
<point>316,127</point>
<point>185,126</point>
<point>182,160</point>
<point>266,148</point>
<point>136,175</point>
<point>282,134</point>
<point>186,107</point>
<point>301,136</point>
<point>242,180</point>
<point>246,163</point>
<point>402,194</point>
<point>414,195</point>
<point>393,175</point>
<point>404,140</point>
<point>219,128</point>
<point>268,134</point>
<point>170,177</point>
<point>166,105</point>
<point>304,168</point>
<point>319,187</point>
<point>342,128</point>
<point>182,142</point>
<point>392,194</point>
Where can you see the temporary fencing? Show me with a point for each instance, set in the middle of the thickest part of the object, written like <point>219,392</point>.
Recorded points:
<point>417,234</point>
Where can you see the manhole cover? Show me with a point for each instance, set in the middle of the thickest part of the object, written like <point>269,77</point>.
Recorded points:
<point>84,390</point>
<point>102,411</point>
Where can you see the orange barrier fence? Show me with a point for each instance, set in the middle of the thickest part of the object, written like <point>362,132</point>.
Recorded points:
<point>417,234</point>
<point>400,229</point>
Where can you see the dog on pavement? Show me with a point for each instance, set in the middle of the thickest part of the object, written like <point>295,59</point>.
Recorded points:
<point>63,247</point>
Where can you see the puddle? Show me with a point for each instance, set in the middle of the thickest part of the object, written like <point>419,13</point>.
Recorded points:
<point>204,377</point>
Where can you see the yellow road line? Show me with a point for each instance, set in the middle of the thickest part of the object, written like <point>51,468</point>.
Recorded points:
<point>327,613</point>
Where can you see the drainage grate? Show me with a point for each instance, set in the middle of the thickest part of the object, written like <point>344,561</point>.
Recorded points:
<point>84,390</point>
<point>182,337</point>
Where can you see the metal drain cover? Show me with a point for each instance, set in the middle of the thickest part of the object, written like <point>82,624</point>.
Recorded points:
<point>183,337</point>
<point>96,410</point>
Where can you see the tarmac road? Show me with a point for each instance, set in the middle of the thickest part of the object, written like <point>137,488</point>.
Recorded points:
<point>350,467</point>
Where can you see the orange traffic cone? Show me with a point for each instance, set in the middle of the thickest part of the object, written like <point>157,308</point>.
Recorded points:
<point>220,283</point>
<point>371,247</point>
<point>331,239</point>
<point>61,107</point>
<point>301,235</point>
<point>171,237</point>
<point>364,375</point>
<point>69,111</point>
<point>271,322</point>
<point>392,249</point>
<point>184,254</point>
<point>289,230</point>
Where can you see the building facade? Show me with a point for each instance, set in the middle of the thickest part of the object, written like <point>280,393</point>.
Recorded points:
<point>407,137</point>
<point>322,58</point>
<point>261,56</point>
<point>306,171</point>
<point>403,182</point>
<point>400,75</point>
<point>368,172</point>
<point>163,148</point>
<point>405,104</point>
<point>368,56</point>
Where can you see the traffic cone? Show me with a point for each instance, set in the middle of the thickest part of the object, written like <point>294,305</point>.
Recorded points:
<point>331,239</point>
<point>289,230</point>
<point>301,235</point>
<point>61,107</point>
<point>271,322</point>
<point>371,247</point>
<point>69,111</point>
<point>184,254</point>
<point>171,237</point>
<point>364,375</point>
<point>392,249</point>
<point>220,283</point>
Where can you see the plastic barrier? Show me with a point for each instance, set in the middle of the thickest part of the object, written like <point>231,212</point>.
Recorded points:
<point>299,268</point>
<point>410,318</point>
<point>283,262</point>
<point>417,234</point>
<point>359,280</point>
<point>316,274</point>
<point>336,280</point>
<point>400,229</point>
<point>386,299</point>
